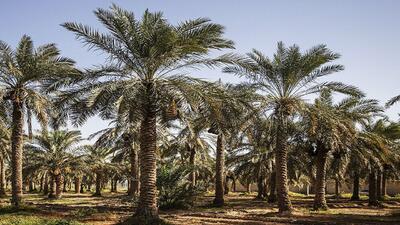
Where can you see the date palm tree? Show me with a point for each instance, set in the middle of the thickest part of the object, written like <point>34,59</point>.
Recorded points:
<point>55,153</point>
<point>332,128</point>
<point>25,73</point>
<point>285,80</point>
<point>147,72</point>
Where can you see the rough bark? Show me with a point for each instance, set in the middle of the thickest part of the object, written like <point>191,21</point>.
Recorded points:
<point>284,203</point>
<point>59,185</point>
<point>2,176</point>
<point>219,170</point>
<point>372,198</point>
<point>52,190</point>
<point>320,183</point>
<point>356,186</point>
<point>134,182</point>
<point>272,188</point>
<point>192,157</point>
<point>147,209</point>
<point>99,178</point>
<point>337,188</point>
<point>16,150</point>
<point>77,185</point>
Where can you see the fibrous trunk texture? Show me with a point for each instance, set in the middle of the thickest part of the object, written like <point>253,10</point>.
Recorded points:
<point>77,185</point>
<point>284,203</point>
<point>147,209</point>
<point>99,178</point>
<point>379,186</point>
<point>384,178</point>
<point>272,188</point>
<point>320,183</point>
<point>59,185</point>
<point>219,170</point>
<point>16,150</point>
<point>2,176</point>
<point>192,157</point>
<point>372,198</point>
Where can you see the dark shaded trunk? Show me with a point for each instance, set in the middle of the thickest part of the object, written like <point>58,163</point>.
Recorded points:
<point>59,185</point>
<point>384,178</point>
<point>372,198</point>
<point>82,188</point>
<point>284,203</point>
<point>356,186</point>
<point>147,209</point>
<point>116,185</point>
<point>192,157</point>
<point>272,188</point>
<point>320,183</point>
<point>46,185</point>
<point>2,176</point>
<point>219,170</point>
<point>379,186</point>
<point>260,187</point>
<point>99,178</point>
<point>77,185</point>
<point>64,183</point>
<point>52,190</point>
<point>337,188</point>
<point>16,150</point>
<point>226,186</point>
<point>234,184</point>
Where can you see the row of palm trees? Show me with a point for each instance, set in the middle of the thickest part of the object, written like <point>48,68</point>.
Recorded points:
<point>145,89</point>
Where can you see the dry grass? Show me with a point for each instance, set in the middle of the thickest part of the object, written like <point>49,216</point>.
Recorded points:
<point>240,209</point>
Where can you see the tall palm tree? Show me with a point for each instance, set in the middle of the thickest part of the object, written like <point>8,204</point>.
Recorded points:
<point>54,152</point>
<point>285,80</point>
<point>25,73</point>
<point>332,128</point>
<point>146,73</point>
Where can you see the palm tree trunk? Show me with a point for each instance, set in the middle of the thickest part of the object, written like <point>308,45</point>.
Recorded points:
<point>16,150</point>
<point>98,184</point>
<point>192,175</point>
<point>234,184</point>
<point>372,198</point>
<point>379,186</point>
<point>59,185</point>
<point>356,186</point>
<point>219,171</point>
<point>272,188</point>
<point>337,188</point>
<point>248,187</point>
<point>384,178</point>
<point>147,207</point>
<point>284,203</point>
<point>319,200</point>
<point>52,190</point>
<point>2,176</point>
<point>134,182</point>
<point>77,185</point>
<point>46,185</point>
<point>260,187</point>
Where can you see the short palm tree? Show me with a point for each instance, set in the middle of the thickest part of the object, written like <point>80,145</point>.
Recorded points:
<point>25,73</point>
<point>55,153</point>
<point>149,61</point>
<point>285,80</point>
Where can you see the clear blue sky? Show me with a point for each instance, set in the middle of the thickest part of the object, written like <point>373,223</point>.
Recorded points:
<point>366,33</point>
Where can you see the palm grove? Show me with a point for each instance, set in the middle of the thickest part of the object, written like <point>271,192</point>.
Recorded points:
<point>172,136</point>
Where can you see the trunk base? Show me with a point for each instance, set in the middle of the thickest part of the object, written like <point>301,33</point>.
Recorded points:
<point>271,198</point>
<point>218,202</point>
<point>355,198</point>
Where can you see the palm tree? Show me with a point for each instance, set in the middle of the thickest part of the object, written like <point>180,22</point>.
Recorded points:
<point>331,128</point>
<point>54,153</point>
<point>285,81</point>
<point>98,159</point>
<point>145,75</point>
<point>25,73</point>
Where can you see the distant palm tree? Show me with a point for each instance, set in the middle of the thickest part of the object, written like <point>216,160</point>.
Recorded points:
<point>332,127</point>
<point>145,76</point>
<point>98,160</point>
<point>285,80</point>
<point>54,152</point>
<point>25,73</point>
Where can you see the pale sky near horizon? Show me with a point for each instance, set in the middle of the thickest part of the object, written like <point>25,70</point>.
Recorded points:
<point>366,33</point>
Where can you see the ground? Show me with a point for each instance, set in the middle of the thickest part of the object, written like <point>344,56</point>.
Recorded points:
<point>240,209</point>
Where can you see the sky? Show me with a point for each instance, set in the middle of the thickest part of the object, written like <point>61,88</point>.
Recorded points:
<point>366,33</point>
